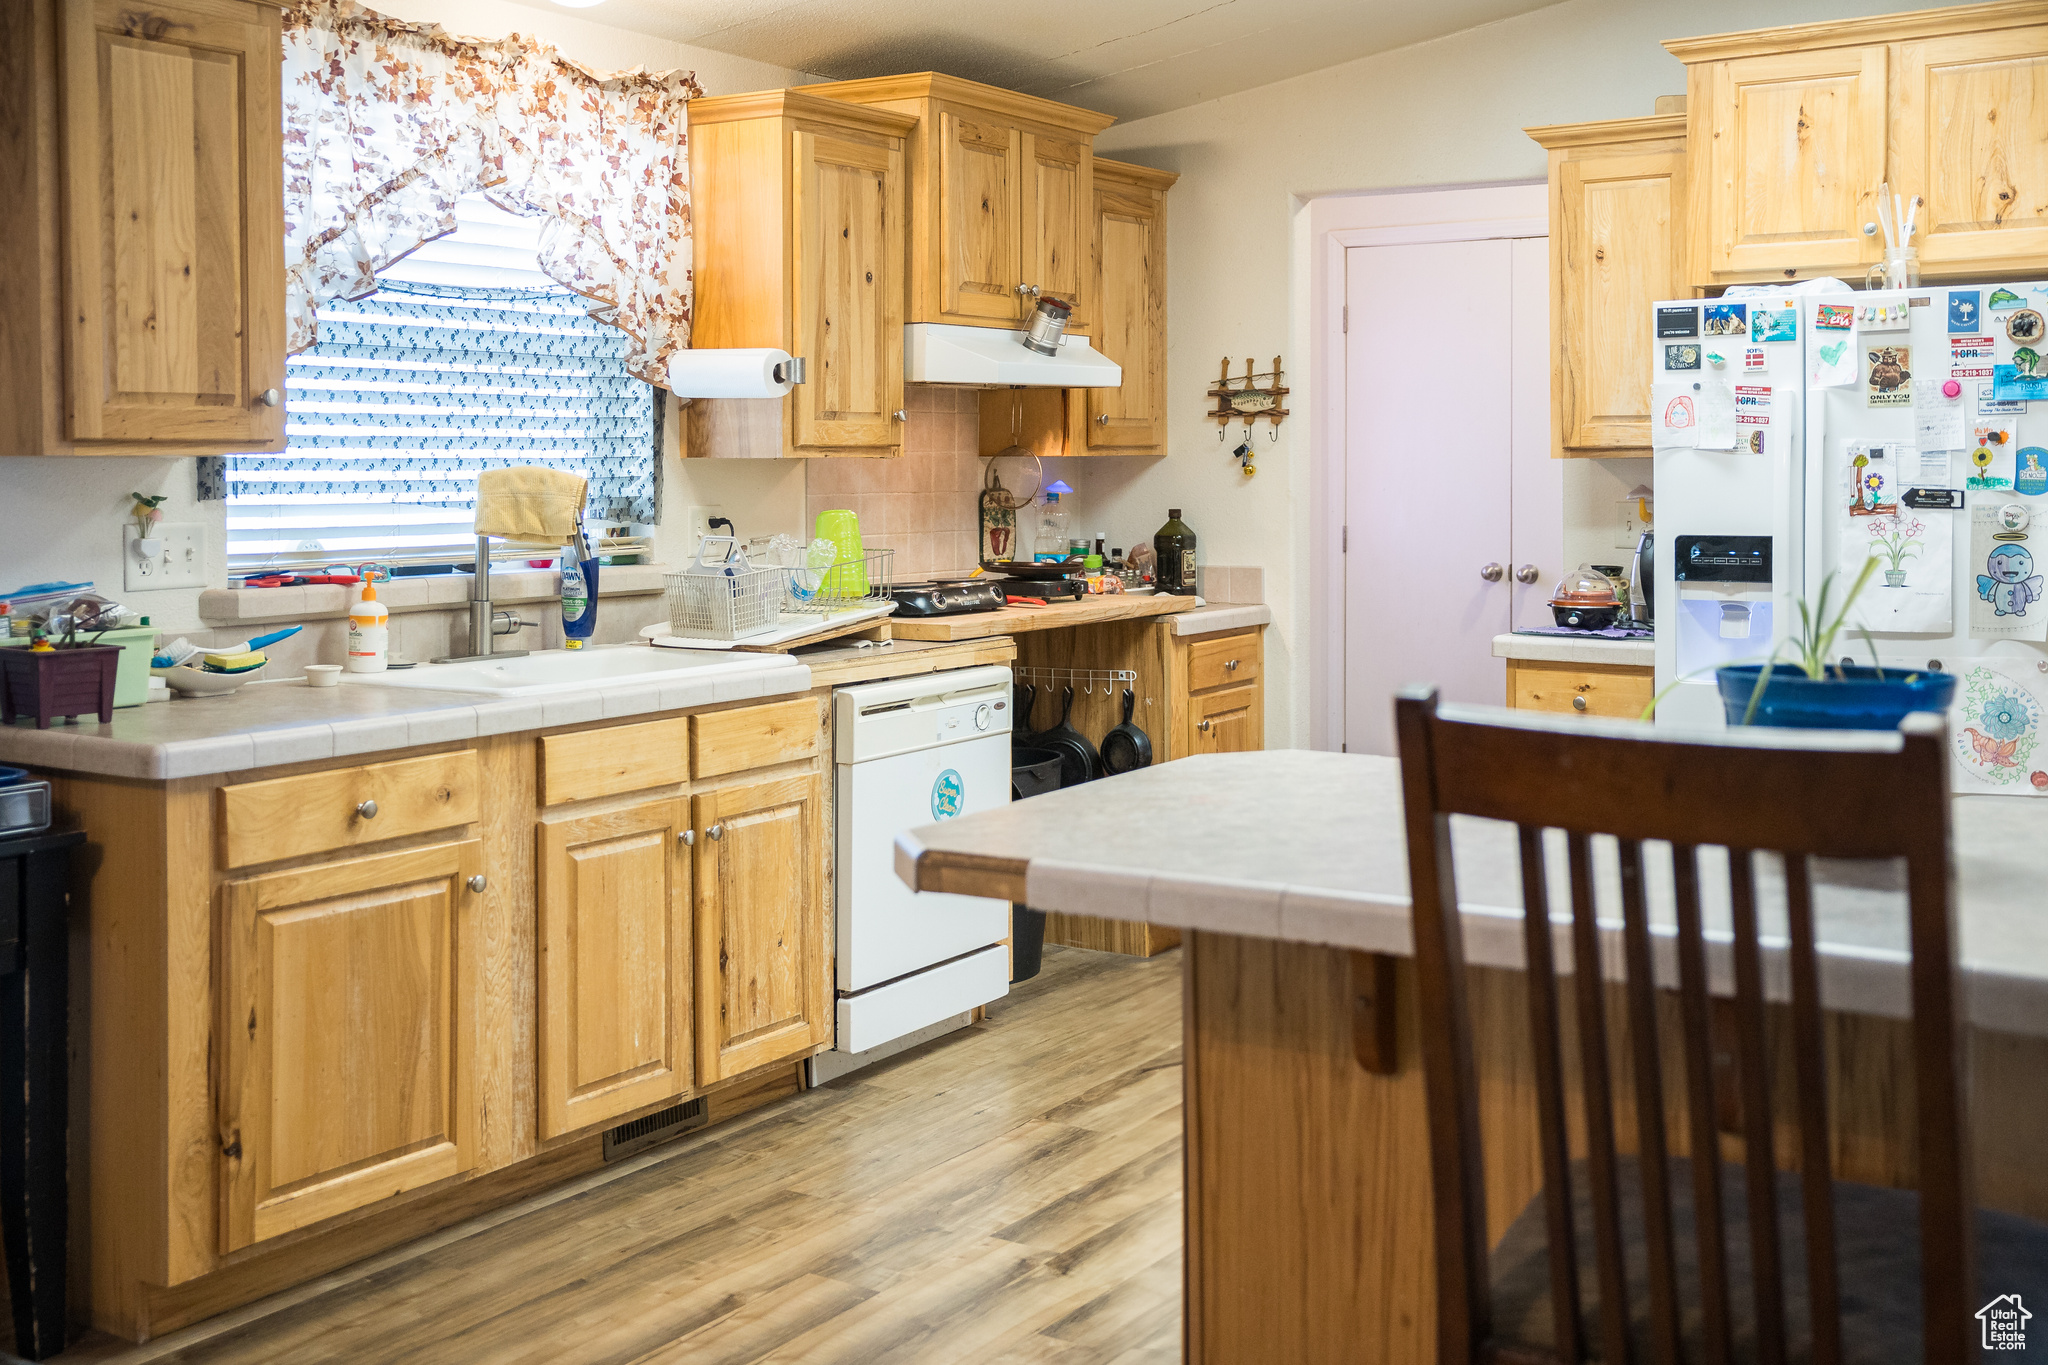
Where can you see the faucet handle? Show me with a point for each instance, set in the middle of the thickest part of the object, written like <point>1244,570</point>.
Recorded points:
<point>510,623</point>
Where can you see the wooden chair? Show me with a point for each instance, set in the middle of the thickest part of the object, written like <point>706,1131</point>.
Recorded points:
<point>1852,796</point>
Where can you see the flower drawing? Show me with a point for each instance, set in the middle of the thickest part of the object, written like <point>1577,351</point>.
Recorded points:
<point>2002,729</point>
<point>2005,716</point>
<point>1897,539</point>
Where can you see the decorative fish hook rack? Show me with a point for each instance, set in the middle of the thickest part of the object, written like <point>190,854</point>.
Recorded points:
<point>1252,395</point>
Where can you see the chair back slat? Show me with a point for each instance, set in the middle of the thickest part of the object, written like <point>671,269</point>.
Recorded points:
<point>1795,795</point>
<point>1705,1138</point>
<point>1809,1064</point>
<point>1567,1331</point>
<point>1590,993</point>
<point>1655,1164</point>
<point>1760,1167</point>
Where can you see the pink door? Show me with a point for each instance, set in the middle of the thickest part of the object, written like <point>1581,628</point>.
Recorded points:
<point>1449,485</point>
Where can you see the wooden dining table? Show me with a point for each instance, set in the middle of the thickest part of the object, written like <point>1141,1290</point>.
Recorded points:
<point>1308,1213</point>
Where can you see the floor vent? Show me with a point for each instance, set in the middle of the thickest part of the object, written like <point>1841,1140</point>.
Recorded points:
<point>628,1138</point>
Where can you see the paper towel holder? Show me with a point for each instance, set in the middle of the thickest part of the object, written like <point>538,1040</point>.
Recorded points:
<point>791,371</point>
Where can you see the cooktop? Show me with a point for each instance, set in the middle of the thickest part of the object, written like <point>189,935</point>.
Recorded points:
<point>946,599</point>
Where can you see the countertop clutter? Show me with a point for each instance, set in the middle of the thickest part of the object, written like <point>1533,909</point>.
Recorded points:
<point>1320,859</point>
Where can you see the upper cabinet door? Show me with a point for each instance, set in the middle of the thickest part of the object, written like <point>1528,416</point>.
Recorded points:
<point>1791,150</point>
<point>1615,251</point>
<point>1056,225</point>
<point>173,239</point>
<point>848,292</point>
<point>1968,124</point>
<point>979,173</point>
<point>1130,233</point>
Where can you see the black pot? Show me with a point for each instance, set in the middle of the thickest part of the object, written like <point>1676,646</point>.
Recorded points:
<point>1033,772</point>
<point>1586,618</point>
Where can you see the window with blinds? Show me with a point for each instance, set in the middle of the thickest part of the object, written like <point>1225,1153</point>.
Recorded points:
<point>409,393</point>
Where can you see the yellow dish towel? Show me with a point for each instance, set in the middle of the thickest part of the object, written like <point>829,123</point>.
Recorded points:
<point>527,502</point>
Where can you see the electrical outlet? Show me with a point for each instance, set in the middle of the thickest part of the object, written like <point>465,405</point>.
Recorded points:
<point>179,560</point>
<point>700,524</point>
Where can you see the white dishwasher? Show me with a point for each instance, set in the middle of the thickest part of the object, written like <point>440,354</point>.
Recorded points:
<point>912,963</point>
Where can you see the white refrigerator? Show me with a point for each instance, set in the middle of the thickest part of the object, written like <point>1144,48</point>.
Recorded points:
<point>1922,441</point>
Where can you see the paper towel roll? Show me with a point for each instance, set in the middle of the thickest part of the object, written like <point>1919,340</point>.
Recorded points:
<point>737,373</point>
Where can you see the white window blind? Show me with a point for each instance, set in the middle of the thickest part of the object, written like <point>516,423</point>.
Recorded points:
<point>409,393</point>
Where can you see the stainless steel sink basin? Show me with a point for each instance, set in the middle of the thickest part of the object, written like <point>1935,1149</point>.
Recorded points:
<point>564,670</point>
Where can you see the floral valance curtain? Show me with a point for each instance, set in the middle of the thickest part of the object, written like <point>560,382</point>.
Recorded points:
<point>387,123</point>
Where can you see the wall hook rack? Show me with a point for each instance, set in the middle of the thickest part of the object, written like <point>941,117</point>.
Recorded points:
<point>1250,396</point>
<point>1087,679</point>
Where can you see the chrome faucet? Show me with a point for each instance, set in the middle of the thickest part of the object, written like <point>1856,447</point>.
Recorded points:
<point>486,624</point>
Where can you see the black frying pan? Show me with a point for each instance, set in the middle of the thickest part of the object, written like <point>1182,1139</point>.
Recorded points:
<point>1078,761</point>
<point>1126,747</point>
<point>1020,722</point>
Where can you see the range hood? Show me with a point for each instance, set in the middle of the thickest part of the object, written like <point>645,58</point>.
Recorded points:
<point>946,353</point>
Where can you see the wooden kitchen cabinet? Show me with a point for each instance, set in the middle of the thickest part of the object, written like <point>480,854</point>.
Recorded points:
<point>1617,245</point>
<point>763,976</point>
<point>1580,689</point>
<point>615,989</point>
<point>1001,198</point>
<point>1792,130</point>
<point>348,1035</point>
<point>1220,677</point>
<point>141,197</point>
<point>798,209</point>
<point>1129,267</point>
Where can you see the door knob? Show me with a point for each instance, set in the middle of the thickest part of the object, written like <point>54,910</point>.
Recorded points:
<point>1492,573</point>
<point>477,883</point>
<point>367,810</point>
<point>716,832</point>
<point>1526,574</point>
<point>688,836</point>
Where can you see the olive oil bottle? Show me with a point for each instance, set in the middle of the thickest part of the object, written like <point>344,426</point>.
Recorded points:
<point>1175,546</point>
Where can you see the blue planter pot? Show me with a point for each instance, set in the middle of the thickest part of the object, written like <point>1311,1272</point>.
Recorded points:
<point>1860,701</point>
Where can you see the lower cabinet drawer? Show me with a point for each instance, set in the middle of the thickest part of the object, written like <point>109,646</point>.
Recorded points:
<point>1580,689</point>
<point>621,758</point>
<point>288,817</point>
<point>753,737</point>
<point>1223,660</point>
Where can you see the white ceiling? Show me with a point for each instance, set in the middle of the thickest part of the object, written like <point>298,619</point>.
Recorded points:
<point>1130,58</point>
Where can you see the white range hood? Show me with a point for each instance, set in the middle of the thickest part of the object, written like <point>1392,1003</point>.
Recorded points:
<point>945,353</point>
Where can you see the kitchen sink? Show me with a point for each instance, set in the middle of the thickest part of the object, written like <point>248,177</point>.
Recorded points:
<point>565,670</point>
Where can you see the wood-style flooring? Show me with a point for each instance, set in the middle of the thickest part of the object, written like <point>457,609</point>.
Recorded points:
<point>1011,1193</point>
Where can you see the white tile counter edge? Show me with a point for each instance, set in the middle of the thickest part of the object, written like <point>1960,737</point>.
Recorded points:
<point>1561,649</point>
<point>435,720</point>
<point>1221,616</point>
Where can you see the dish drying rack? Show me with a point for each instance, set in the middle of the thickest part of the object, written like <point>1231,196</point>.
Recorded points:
<point>728,598</point>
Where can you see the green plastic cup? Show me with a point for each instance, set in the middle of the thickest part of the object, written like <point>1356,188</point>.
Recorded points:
<point>849,575</point>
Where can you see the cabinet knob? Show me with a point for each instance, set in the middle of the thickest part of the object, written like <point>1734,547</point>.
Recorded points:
<point>1526,573</point>
<point>688,836</point>
<point>1030,289</point>
<point>1492,573</point>
<point>1230,665</point>
<point>367,811</point>
<point>1870,229</point>
<point>1204,727</point>
<point>899,415</point>
<point>270,398</point>
<point>1578,703</point>
<point>1102,419</point>
<point>715,832</point>
<point>477,883</point>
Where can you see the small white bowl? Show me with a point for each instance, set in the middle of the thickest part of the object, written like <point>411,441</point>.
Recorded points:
<point>323,675</point>
<point>197,682</point>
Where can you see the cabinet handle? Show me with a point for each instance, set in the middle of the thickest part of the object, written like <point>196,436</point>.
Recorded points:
<point>1870,229</point>
<point>1203,727</point>
<point>688,836</point>
<point>899,415</point>
<point>270,398</point>
<point>1578,703</point>
<point>1102,419</point>
<point>715,832</point>
<point>1492,573</point>
<point>1527,573</point>
<point>367,811</point>
<point>1230,665</point>
<point>477,883</point>
<point>1030,289</point>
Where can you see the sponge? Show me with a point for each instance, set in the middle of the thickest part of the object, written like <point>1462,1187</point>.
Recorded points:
<point>236,663</point>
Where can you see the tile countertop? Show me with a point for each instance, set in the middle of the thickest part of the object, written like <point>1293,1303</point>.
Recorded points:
<point>267,723</point>
<point>1307,847</point>
<point>1568,649</point>
<point>1213,618</point>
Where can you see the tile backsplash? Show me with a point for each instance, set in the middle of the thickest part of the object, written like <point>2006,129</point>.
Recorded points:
<point>922,505</point>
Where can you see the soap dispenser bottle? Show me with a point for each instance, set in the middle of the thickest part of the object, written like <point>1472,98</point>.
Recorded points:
<point>579,592</point>
<point>369,631</point>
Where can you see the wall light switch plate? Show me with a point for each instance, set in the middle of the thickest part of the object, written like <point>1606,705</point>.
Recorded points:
<point>179,561</point>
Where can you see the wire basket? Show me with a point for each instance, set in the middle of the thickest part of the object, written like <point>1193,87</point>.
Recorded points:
<point>728,599</point>
<point>857,581</point>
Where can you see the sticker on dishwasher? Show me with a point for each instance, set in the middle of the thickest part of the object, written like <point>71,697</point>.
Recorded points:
<point>947,793</point>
